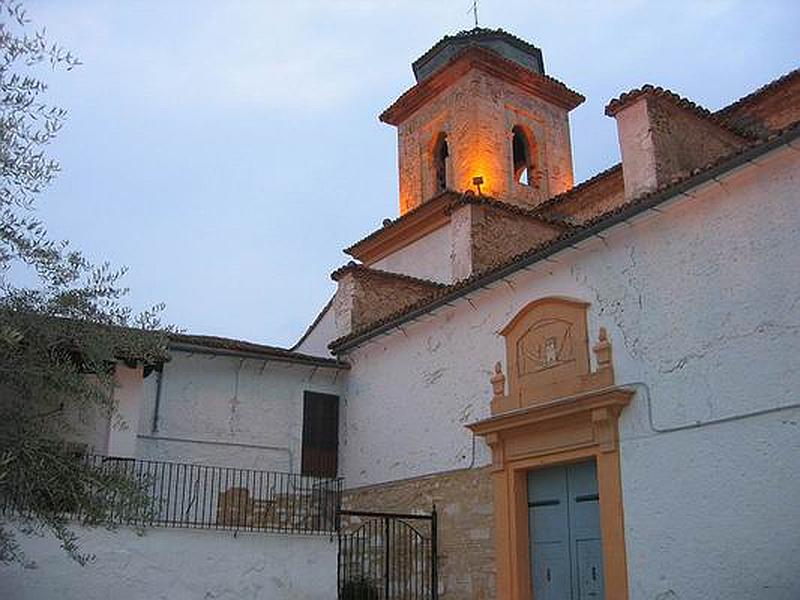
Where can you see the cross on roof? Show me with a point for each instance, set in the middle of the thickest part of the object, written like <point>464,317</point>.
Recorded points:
<point>474,11</point>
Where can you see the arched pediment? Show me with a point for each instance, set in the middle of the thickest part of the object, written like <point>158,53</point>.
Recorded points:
<point>547,353</point>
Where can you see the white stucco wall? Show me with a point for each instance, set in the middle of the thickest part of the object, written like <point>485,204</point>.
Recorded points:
<point>322,334</point>
<point>702,303</point>
<point>101,433</point>
<point>426,258</point>
<point>229,411</point>
<point>128,398</point>
<point>174,564</point>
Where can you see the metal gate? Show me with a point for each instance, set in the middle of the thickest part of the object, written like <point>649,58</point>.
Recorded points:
<point>387,556</point>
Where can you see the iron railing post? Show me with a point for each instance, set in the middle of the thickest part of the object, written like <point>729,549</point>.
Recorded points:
<point>386,563</point>
<point>434,555</point>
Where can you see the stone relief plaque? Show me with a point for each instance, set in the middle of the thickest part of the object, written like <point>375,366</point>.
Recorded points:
<point>547,344</point>
<point>547,353</point>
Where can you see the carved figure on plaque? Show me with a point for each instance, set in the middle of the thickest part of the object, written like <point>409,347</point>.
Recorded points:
<point>547,344</point>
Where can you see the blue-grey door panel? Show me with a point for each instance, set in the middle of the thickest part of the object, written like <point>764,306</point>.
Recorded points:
<point>548,525</point>
<point>564,528</point>
<point>590,569</point>
<point>551,571</point>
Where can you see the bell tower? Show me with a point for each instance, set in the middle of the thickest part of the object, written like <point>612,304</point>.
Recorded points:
<point>483,116</point>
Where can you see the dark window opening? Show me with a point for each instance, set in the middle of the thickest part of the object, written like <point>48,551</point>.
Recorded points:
<point>320,434</point>
<point>523,166</point>
<point>440,154</point>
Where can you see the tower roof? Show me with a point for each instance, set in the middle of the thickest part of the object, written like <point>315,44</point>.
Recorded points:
<point>503,43</point>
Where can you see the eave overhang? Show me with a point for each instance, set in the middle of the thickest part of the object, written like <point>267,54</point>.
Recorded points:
<point>415,224</point>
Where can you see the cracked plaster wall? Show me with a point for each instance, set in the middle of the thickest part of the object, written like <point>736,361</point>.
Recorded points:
<point>702,303</point>
<point>227,401</point>
<point>173,564</point>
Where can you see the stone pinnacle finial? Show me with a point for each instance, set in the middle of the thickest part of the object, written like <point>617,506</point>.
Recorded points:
<point>498,381</point>
<point>602,350</point>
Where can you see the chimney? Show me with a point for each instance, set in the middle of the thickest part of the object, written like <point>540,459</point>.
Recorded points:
<point>365,295</point>
<point>663,137</point>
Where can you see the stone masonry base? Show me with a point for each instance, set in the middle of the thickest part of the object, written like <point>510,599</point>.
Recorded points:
<point>463,500</point>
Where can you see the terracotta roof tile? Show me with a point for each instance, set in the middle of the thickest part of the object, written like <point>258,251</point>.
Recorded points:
<point>539,252</point>
<point>193,343</point>
<point>558,199</point>
<point>523,211</point>
<point>359,268</point>
<point>477,34</point>
<point>627,98</point>
<point>455,199</point>
<point>742,102</point>
<point>555,90</point>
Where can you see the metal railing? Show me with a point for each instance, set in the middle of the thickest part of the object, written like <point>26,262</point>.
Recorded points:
<point>208,497</point>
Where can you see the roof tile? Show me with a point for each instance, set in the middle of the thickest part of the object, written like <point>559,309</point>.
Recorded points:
<point>605,220</point>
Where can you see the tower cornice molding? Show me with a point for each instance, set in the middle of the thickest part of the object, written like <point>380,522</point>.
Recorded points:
<point>542,86</point>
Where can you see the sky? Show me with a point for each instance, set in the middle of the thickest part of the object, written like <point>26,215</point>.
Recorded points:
<point>227,151</point>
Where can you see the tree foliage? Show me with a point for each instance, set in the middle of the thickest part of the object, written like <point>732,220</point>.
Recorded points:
<point>63,323</point>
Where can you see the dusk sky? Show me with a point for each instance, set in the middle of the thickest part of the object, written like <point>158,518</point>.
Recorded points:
<point>226,152</point>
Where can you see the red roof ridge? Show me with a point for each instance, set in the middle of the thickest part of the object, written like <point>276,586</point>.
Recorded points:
<point>354,266</point>
<point>648,89</point>
<point>766,88</point>
<point>531,212</point>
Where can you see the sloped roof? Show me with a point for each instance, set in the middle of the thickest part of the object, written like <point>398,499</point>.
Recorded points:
<point>370,271</point>
<point>625,99</point>
<point>490,62</point>
<point>446,201</point>
<point>313,324</point>
<point>756,95</point>
<point>569,238</point>
<point>507,45</point>
<point>211,344</point>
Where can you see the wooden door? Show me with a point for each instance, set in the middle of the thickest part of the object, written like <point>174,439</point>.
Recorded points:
<point>564,526</point>
<point>320,434</point>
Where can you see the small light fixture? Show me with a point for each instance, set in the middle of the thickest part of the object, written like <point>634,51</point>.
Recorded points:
<point>478,182</point>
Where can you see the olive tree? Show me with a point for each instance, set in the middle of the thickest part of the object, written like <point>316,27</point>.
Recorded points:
<point>63,323</point>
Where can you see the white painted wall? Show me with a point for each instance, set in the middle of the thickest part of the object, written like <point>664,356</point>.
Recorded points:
<point>703,304</point>
<point>322,334</point>
<point>128,398</point>
<point>115,435</point>
<point>175,564</point>
<point>426,258</point>
<point>228,411</point>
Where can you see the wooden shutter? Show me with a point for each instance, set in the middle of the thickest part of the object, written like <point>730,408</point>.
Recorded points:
<point>320,434</point>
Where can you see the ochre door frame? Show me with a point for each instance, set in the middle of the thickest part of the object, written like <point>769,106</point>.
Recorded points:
<point>564,431</point>
<point>557,411</point>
